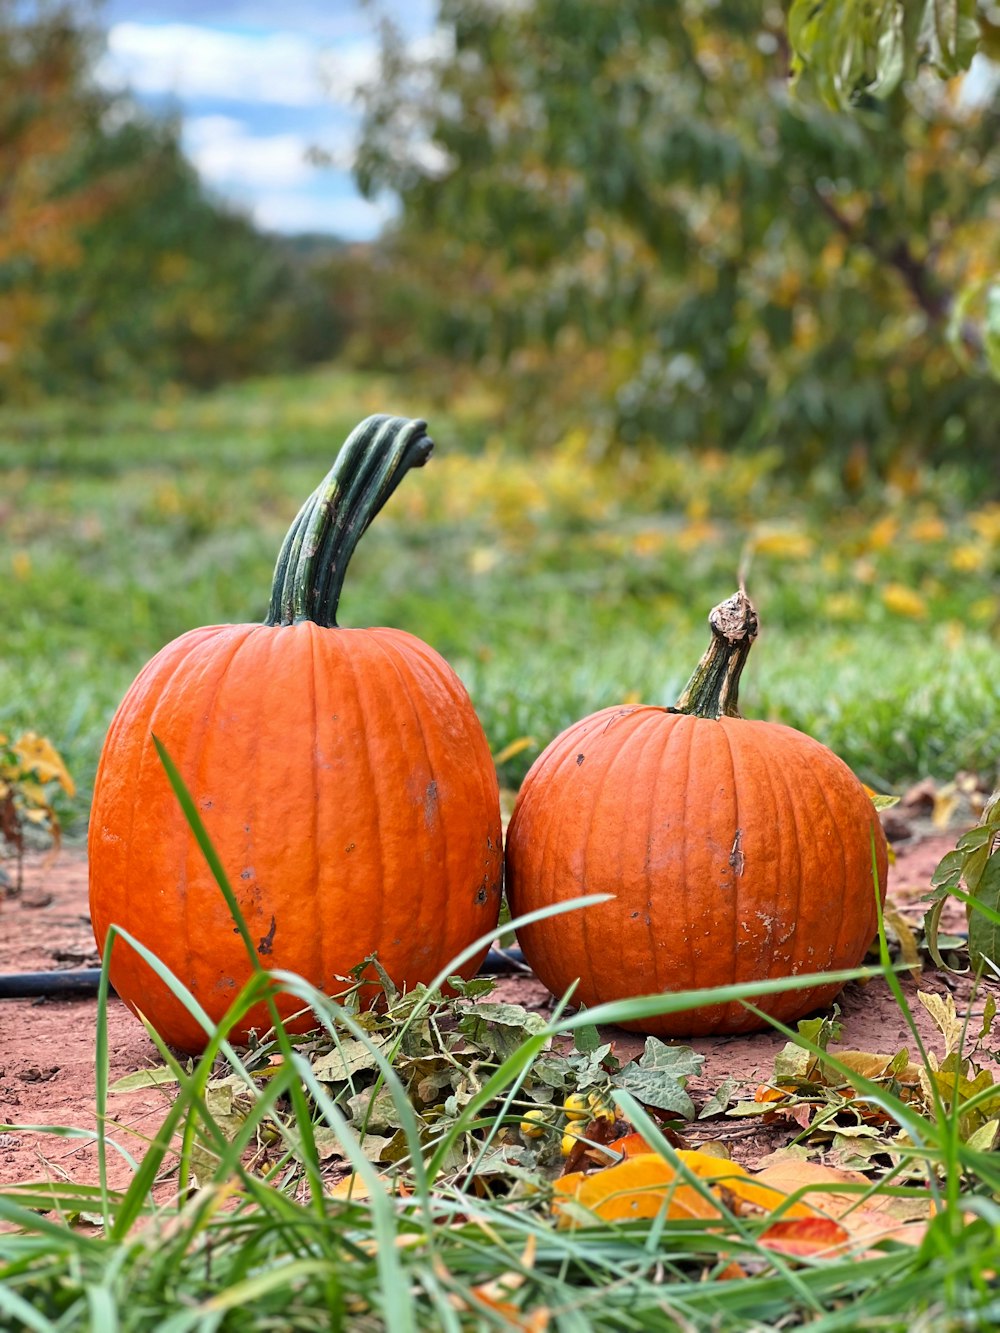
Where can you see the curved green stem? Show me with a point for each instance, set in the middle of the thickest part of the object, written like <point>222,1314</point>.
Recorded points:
<point>314,556</point>
<point>713,689</point>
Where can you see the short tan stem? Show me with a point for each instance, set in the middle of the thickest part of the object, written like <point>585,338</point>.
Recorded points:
<point>713,689</point>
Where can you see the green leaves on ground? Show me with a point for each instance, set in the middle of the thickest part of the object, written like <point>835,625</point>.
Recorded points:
<point>657,1078</point>
<point>972,873</point>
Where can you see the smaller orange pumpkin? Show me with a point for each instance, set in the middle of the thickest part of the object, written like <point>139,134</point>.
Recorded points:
<point>735,851</point>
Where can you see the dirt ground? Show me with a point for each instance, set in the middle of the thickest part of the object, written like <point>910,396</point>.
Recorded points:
<point>47,1045</point>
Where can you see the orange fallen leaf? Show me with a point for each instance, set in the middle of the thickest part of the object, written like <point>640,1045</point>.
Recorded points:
<point>644,1183</point>
<point>805,1236</point>
<point>637,1187</point>
<point>824,1183</point>
<point>732,1271</point>
<point>632,1145</point>
<point>768,1094</point>
<point>494,1295</point>
<point>872,1221</point>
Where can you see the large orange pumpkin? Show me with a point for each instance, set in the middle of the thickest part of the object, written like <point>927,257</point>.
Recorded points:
<point>735,850</point>
<point>342,774</point>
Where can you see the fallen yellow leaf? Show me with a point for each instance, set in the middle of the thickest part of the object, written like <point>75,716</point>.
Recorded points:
<point>643,1184</point>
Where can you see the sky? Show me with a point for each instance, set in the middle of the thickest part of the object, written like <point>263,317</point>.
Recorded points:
<point>256,85</point>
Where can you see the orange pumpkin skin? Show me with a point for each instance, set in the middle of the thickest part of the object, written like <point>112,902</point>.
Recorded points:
<point>735,850</point>
<point>348,788</point>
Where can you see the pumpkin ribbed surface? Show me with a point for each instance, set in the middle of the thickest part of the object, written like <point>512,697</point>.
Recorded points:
<point>340,838</point>
<point>735,850</point>
<point>341,774</point>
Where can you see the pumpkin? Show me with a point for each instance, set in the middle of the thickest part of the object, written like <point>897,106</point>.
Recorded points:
<point>736,851</point>
<point>342,775</point>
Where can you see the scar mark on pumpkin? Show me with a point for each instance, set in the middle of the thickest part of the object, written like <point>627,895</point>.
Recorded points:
<point>736,858</point>
<point>579,759</point>
<point>267,943</point>
<point>430,801</point>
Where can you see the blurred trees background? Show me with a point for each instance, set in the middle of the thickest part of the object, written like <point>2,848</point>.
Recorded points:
<point>117,268</point>
<point>622,205</point>
<point>648,222</point>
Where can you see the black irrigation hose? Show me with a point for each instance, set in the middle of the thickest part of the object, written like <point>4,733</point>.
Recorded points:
<point>84,980</point>
<point>28,985</point>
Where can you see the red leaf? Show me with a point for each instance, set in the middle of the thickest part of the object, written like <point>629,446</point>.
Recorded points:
<point>805,1236</point>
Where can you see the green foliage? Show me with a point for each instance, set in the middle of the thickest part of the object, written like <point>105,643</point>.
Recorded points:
<point>463,1229</point>
<point>116,266</point>
<point>618,202</point>
<point>972,873</point>
<point>128,525</point>
<point>851,51</point>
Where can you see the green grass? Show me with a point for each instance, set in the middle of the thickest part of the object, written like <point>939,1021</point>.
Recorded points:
<point>554,583</point>
<point>268,1246</point>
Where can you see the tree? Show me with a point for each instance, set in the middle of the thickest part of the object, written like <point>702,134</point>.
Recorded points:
<point>43,100</point>
<point>850,52</point>
<point>621,202</point>
<point>117,267</point>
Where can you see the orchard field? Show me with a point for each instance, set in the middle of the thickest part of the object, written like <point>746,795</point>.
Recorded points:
<point>693,298</point>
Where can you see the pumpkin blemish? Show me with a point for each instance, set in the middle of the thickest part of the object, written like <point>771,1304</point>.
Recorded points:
<point>267,943</point>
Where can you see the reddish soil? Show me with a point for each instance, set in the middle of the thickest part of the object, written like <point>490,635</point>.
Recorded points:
<point>47,1045</point>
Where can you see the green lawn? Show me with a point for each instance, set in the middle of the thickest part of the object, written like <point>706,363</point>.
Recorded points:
<point>554,583</point>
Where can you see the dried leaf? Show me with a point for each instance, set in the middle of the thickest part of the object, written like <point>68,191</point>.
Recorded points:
<point>805,1236</point>
<point>899,927</point>
<point>946,802</point>
<point>641,1185</point>
<point>350,1057</point>
<point>496,1293</point>
<point>942,1010</point>
<point>353,1187</point>
<point>836,1193</point>
<point>873,1066</point>
<point>38,755</point>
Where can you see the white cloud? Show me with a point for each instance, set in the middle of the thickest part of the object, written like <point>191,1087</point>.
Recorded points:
<point>267,174</point>
<point>351,218</point>
<point>189,62</point>
<point>226,154</point>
